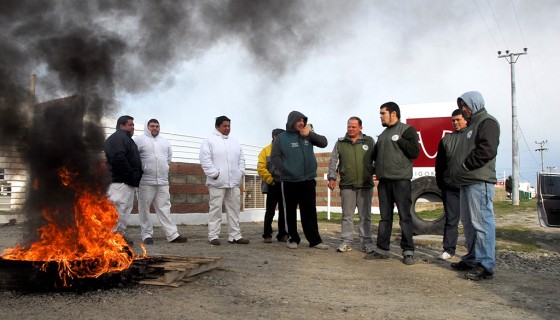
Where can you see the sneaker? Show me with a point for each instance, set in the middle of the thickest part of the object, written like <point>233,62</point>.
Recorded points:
<point>179,239</point>
<point>461,266</point>
<point>444,256</point>
<point>240,241</point>
<point>409,260</point>
<point>291,245</point>
<point>368,247</point>
<point>478,273</point>
<point>268,239</point>
<point>375,256</point>
<point>284,238</point>
<point>215,242</point>
<point>321,246</point>
<point>148,241</point>
<point>344,248</point>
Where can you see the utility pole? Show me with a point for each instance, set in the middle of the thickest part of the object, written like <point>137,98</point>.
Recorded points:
<point>512,59</point>
<point>541,149</point>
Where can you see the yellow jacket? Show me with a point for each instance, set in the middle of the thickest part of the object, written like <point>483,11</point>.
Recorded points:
<point>264,157</point>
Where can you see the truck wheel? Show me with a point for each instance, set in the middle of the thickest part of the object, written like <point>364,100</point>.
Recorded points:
<point>426,188</point>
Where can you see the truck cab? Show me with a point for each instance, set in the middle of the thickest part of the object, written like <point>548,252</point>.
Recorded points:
<point>548,199</point>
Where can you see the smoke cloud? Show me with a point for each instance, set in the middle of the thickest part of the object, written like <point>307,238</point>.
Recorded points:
<point>92,50</point>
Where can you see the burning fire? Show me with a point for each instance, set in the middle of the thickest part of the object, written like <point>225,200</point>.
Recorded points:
<point>86,247</point>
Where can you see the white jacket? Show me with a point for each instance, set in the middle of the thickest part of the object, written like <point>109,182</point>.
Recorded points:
<point>156,155</point>
<point>222,160</point>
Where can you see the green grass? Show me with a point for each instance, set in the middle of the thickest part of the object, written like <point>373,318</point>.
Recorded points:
<point>514,237</point>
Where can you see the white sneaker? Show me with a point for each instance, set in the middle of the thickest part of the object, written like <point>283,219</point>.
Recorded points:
<point>368,247</point>
<point>444,256</point>
<point>292,245</point>
<point>344,248</point>
<point>321,246</point>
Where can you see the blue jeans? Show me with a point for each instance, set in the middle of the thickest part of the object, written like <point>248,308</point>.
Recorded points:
<point>477,216</point>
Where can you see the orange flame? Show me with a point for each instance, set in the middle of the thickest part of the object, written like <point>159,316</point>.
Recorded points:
<point>85,248</point>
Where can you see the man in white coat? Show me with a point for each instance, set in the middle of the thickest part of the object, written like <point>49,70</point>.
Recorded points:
<point>155,154</point>
<point>223,163</point>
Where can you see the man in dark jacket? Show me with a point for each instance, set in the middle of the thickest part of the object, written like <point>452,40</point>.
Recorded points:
<point>473,168</point>
<point>352,158</point>
<point>449,192</point>
<point>124,162</point>
<point>294,162</point>
<point>397,146</point>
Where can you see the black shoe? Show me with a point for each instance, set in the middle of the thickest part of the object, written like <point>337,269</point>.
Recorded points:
<point>461,266</point>
<point>375,256</point>
<point>268,239</point>
<point>478,273</point>
<point>283,238</point>
<point>409,260</point>
<point>179,239</point>
<point>149,241</point>
<point>240,241</point>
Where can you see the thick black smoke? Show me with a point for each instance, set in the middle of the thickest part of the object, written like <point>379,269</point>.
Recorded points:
<point>90,50</point>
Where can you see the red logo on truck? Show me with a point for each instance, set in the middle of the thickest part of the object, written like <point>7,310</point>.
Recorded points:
<point>430,132</point>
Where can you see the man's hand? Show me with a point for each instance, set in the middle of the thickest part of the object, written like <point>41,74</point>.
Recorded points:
<point>332,184</point>
<point>304,132</point>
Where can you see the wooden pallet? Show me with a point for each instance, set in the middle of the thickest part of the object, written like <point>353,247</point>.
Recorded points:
<point>172,271</point>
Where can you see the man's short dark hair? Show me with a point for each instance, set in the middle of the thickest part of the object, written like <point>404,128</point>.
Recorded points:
<point>391,106</point>
<point>123,120</point>
<point>457,112</point>
<point>152,121</point>
<point>356,118</point>
<point>220,120</point>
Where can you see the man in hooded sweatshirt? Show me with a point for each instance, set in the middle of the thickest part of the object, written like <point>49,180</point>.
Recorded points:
<point>294,162</point>
<point>473,169</point>
<point>155,154</point>
<point>125,166</point>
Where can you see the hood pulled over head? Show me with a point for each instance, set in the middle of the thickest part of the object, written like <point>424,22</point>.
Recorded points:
<point>293,117</point>
<point>473,99</point>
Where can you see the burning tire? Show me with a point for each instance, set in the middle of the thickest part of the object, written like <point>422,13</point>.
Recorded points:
<point>426,189</point>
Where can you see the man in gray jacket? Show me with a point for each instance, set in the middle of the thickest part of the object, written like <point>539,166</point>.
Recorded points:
<point>473,168</point>
<point>155,153</point>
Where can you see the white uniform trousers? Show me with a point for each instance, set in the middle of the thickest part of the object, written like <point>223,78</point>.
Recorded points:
<point>230,198</point>
<point>122,196</point>
<point>160,198</point>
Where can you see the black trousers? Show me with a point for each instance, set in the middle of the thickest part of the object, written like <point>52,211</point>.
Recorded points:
<point>273,199</point>
<point>301,194</point>
<point>451,203</point>
<point>393,192</point>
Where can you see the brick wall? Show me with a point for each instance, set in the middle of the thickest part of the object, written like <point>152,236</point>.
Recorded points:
<point>322,193</point>
<point>187,185</point>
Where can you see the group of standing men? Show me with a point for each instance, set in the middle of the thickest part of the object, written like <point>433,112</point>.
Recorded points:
<point>140,164</point>
<point>465,171</point>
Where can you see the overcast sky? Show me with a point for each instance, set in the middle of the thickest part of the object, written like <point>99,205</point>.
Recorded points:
<point>187,62</point>
<point>372,52</point>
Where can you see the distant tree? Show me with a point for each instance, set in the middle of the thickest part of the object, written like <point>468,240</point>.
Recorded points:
<point>508,184</point>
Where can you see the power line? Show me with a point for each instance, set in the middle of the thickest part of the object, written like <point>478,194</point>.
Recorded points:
<point>486,24</point>
<point>496,20</point>
<point>518,24</point>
